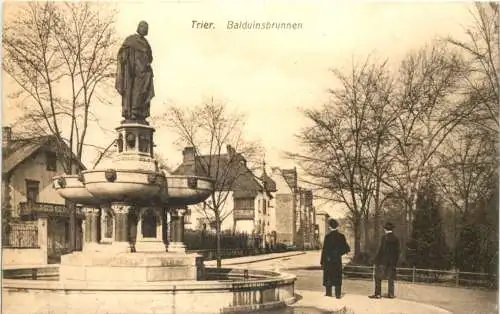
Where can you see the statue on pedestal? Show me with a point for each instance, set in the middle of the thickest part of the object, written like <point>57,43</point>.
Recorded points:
<point>134,77</point>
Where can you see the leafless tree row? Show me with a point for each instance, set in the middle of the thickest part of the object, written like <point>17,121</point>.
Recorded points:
<point>384,134</point>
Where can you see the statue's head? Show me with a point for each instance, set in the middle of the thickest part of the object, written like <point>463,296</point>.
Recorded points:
<point>142,28</point>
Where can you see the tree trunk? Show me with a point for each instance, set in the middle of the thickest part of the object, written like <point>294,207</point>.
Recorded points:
<point>404,232</point>
<point>217,231</point>
<point>357,238</point>
<point>376,216</point>
<point>366,233</point>
<point>72,225</point>
<point>72,211</point>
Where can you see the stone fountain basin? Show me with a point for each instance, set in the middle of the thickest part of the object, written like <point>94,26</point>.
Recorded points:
<point>241,291</point>
<point>72,188</point>
<point>188,190</point>
<point>119,185</point>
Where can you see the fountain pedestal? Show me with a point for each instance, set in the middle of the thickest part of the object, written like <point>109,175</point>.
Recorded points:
<point>177,235</point>
<point>139,267</point>
<point>132,192</point>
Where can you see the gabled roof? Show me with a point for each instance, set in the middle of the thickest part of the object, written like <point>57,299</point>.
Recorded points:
<point>18,150</point>
<point>290,176</point>
<point>269,183</point>
<point>230,174</point>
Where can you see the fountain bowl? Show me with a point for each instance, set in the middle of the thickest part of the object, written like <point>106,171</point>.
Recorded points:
<point>118,185</point>
<point>71,187</point>
<point>188,190</point>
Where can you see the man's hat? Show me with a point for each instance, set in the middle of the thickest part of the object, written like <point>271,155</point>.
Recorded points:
<point>388,226</point>
<point>333,223</point>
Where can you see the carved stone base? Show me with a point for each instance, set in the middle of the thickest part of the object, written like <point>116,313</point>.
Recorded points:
<point>176,247</point>
<point>137,161</point>
<point>129,267</point>
<point>150,245</point>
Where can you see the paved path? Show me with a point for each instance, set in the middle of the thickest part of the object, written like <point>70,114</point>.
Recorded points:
<point>453,299</point>
<point>360,304</point>
<point>411,298</point>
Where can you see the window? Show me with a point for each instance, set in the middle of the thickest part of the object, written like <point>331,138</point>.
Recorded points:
<point>51,161</point>
<point>32,190</point>
<point>244,203</point>
<point>264,207</point>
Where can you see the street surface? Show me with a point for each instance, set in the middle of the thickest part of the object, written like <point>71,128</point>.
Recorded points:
<point>455,300</point>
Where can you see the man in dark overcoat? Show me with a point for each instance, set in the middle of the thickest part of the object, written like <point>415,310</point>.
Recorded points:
<point>334,246</point>
<point>385,262</point>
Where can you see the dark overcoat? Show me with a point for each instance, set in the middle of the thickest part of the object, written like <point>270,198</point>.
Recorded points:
<point>334,246</point>
<point>387,257</point>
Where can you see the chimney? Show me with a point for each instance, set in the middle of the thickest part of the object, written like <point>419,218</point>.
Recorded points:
<point>6,135</point>
<point>188,155</point>
<point>230,151</point>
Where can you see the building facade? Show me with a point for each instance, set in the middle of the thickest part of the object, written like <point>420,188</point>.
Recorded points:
<point>241,198</point>
<point>28,166</point>
<point>294,213</point>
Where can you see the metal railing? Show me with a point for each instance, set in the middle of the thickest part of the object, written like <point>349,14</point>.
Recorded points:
<point>21,235</point>
<point>27,208</point>
<point>434,276</point>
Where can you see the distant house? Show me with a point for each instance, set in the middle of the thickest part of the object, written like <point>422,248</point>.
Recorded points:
<point>246,208</point>
<point>28,165</point>
<point>322,218</point>
<point>294,214</point>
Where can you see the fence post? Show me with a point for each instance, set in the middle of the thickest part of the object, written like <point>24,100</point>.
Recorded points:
<point>413,275</point>
<point>373,272</point>
<point>457,277</point>
<point>42,226</point>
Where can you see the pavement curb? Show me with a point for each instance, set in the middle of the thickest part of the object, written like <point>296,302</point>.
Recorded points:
<point>361,304</point>
<point>262,259</point>
<point>267,258</point>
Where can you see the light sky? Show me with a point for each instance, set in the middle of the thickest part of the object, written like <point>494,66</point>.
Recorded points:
<point>267,74</point>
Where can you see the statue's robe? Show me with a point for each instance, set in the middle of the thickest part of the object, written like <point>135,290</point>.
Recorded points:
<point>134,77</point>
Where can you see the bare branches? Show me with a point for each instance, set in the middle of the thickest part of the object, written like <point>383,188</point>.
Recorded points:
<point>59,54</point>
<point>347,147</point>
<point>216,136</point>
<point>482,81</point>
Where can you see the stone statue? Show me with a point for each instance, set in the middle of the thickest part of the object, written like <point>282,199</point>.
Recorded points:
<point>134,77</point>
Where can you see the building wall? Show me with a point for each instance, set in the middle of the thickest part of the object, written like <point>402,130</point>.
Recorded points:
<point>5,190</point>
<point>272,213</point>
<point>283,214</point>
<point>33,168</point>
<point>197,213</point>
<point>285,218</point>
<point>322,221</point>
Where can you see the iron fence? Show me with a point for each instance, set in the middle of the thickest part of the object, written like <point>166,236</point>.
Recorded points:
<point>434,276</point>
<point>21,235</point>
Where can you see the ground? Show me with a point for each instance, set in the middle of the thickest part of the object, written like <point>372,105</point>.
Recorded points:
<point>453,299</point>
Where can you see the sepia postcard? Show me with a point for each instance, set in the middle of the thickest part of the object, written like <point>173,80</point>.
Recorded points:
<point>250,157</point>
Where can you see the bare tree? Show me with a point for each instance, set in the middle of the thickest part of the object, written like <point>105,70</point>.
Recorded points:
<point>59,55</point>
<point>428,103</point>
<point>163,164</point>
<point>346,139</point>
<point>466,167</point>
<point>211,130</point>
<point>104,152</point>
<point>482,52</point>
